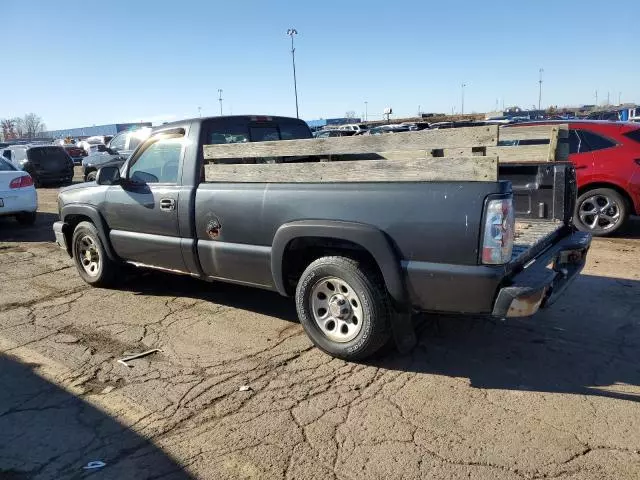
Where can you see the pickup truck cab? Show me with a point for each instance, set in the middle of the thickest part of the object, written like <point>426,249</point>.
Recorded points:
<point>359,258</point>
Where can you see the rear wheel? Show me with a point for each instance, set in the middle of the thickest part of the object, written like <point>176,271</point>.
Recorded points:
<point>600,211</point>
<point>343,307</point>
<point>26,218</point>
<point>89,255</point>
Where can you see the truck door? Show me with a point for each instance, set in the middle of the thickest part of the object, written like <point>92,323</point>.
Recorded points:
<point>142,211</point>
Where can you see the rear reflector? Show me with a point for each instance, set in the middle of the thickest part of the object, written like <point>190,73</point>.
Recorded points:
<point>21,182</point>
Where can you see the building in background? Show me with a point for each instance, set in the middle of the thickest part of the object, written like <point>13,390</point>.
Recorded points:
<point>84,132</point>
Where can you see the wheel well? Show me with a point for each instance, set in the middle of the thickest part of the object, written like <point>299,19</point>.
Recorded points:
<point>72,222</point>
<point>621,191</point>
<point>300,252</point>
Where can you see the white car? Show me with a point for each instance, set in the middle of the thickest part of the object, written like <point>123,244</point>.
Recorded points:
<point>356,127</point>
<point>18,197</point>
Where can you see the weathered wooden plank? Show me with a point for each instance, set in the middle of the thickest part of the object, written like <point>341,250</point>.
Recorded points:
<point>553,144</point>
<point>539,132</point>
<point>535,132</point>
<point>422,140</point>
<point>408,170</point>
<point>517,154</point>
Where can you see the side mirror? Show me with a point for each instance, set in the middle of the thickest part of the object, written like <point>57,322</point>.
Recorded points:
<point>109,175</point>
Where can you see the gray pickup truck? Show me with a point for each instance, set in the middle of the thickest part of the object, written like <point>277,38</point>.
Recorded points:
<point>359,258</point>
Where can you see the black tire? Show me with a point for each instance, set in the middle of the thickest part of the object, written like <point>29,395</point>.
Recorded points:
<point>375,306</point>
<point>91,176</point>
<point>610,211</point>
<point>26,218</point>
<point>85,237</point>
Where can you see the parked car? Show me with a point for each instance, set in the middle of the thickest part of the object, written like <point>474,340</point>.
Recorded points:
<point>356,127</point>
<point>76,153</point>
<point>18,196</point>
<point>354,255</point>
<point>95,140</point>
<point>119,148</point>
<point>606,156</point>
<point>45,163</point>
<point>334,133</point>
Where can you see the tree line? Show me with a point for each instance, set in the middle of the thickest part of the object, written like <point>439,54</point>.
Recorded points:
<point>29,126</point>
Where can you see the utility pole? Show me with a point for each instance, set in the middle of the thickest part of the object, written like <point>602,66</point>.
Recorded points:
<point>608,100</point>
<point>200,112</point>
<point>462,89</point>
<point>220,99</point>
<point>596,98</point>
<point>366,110</point>
<point>541,71</point>
<point>619,98</point>
<point>291,32</point>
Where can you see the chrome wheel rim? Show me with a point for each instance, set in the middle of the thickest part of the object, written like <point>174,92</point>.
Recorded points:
<point>599,212</point>
<point>337,309</point>
<point>88,255</point>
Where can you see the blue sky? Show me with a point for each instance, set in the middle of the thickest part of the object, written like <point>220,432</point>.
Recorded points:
<point>78,63</point>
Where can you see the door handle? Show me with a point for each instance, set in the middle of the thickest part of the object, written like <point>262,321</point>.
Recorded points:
<point>167,204</point>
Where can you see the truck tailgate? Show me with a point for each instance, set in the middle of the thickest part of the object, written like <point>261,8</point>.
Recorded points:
<point>532,236</point>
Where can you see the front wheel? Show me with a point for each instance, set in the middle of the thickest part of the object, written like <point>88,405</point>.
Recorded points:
<point>343,307</point>
<point>600,211</point>
<point>89,256</point>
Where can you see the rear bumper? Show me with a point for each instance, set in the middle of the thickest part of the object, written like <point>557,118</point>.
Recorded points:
<point>18,200</point>
<point>545,278</point>
<point>64,175</point>
<point>491,289</point>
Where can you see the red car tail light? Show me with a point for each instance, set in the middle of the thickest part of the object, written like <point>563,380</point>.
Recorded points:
<point>21,182</point>
<point>499,229</point>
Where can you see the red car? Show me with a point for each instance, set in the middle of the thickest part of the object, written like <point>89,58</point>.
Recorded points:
<point>606,156</point>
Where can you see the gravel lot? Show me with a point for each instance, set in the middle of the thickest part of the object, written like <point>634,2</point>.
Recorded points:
<point>556,396</point>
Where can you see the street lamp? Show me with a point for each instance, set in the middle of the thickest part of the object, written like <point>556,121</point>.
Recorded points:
<point>291,32</point>
<point>540,89</point>
<point>220,99</point>
<point>200,112</point>
<point>462,89</point>
<point>366,110</point>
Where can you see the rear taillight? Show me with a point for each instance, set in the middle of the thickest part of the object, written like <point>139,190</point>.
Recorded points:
<point>499,225</point>
<point>21,182</point>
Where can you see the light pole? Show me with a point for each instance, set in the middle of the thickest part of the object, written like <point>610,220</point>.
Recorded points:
<point>366,110</point>
<point>220,99</point>
<point>541,71</point>
<point>200,112</point>
<point>291,32</point>
<point>462,89</point>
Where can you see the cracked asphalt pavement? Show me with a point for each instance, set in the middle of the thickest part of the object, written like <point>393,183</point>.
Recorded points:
<point>555,396</point>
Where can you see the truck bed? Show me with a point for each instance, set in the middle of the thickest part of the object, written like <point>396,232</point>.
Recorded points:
<point>530,235</point>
